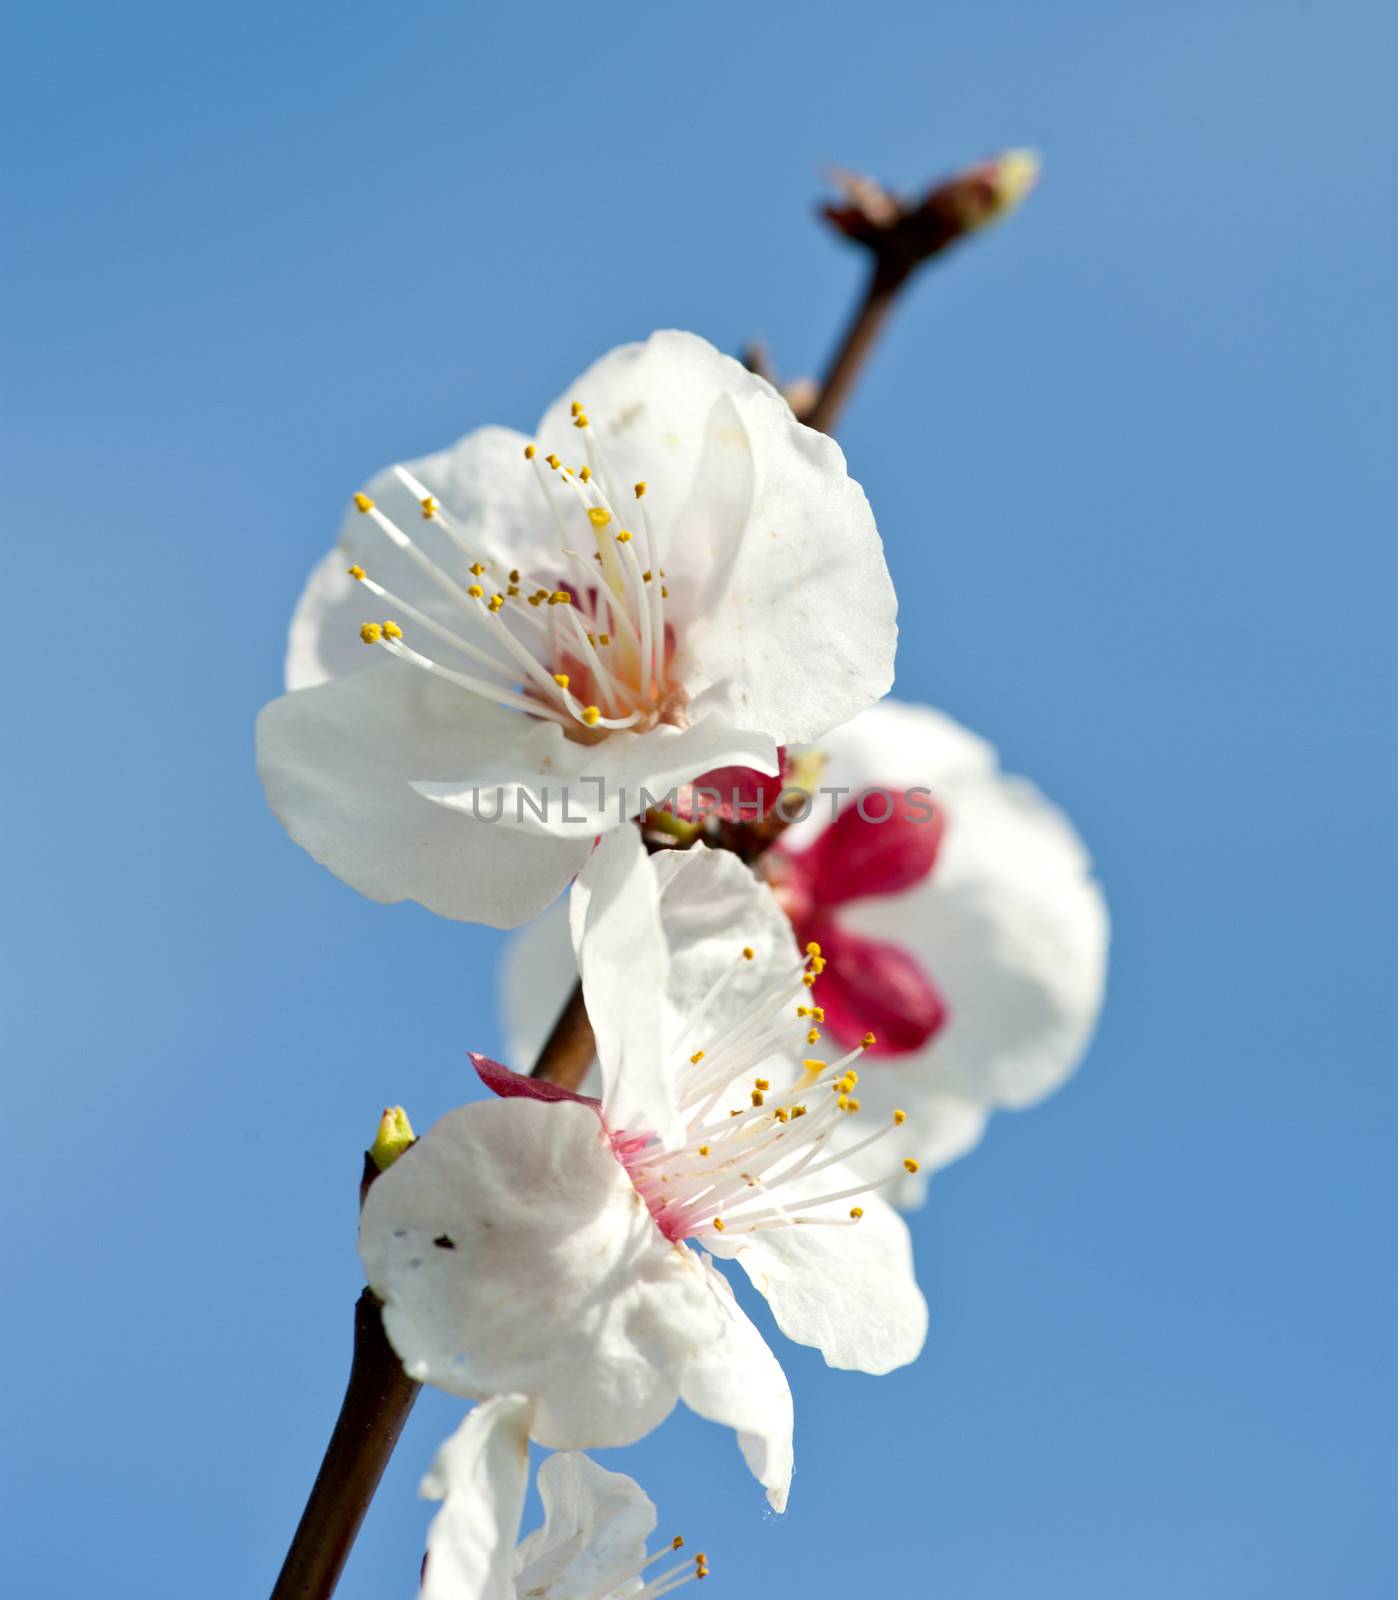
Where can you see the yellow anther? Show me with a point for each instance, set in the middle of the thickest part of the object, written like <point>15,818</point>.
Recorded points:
<point>580,421</point>
<point>664,592</point>
<point>476,592</point>
<point>718,1223</point>
<point>429,507</point>
<point>843,1102</point>
<point>513,590</point>
<point>477,568</point>
<point>813,1036</point>
<point>812,949</point>
<point>645,577</point>
<point>677,1543</point>
<point>798,1111</point>
<point>749,953</point>
<point>598,516</point>
<point>604,638</point>
<point>817,964</point>
<point>623,537</point>
<point>703,1149</point>
<point>553,461</point>
<point>868,1042</point>
<point>536,599</point>
<point>757,1097</point>
<point>391,630</point>
<point>696,1058</point>
<point>808,978</point>
<point>530,452</point>
<point>560,597</point>
<point>562,679</point>
<point>576,408</point>
<point>640,489</point>
<point>514,574</point>
<point>496,601</point>
<point>371,633</point>
<point>357,573</point>
<point>899,1117</point>
<point>856,1212</point>
<point>363,502</point>
<point>781,1114</point>
<point>852,1076</point>
<point>591,716</point>
<point>909,1165</point>
<point>851,1105</point>
<point>761,1083</point>
<point>585,473</point>
<point>803,1011</point>
<point>818,1013</point>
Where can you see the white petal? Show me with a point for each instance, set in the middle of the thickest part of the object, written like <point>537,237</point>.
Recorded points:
<point>711,907</point>
<point>624,961</point>
<point>538,971</point>
<point>596,1524</point>
<point>1014,932</point>
<point>738,1381</point>
<point>324,639</point>
<point>553,1280</point>
<point>481,1474</point>
<point>337,763</point>
<point>484,483</point>
<point>544,784</point>
<point>849,1291</point>
<point>797,618</point>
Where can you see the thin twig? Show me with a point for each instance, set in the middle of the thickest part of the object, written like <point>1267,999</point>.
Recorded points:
<point>378,1398</point>
<point>886,278</point>
<point>568,1050</point>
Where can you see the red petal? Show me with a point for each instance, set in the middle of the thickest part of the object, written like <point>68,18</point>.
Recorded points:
<point>510,1085</point>
<point>872,987</point>
<point>888,846</point>
<point>743,794</point>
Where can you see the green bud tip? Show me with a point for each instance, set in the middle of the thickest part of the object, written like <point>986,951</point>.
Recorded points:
<point>394,1136</point>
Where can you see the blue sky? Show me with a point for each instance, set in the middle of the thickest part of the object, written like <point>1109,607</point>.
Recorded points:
<point>1133,462</point>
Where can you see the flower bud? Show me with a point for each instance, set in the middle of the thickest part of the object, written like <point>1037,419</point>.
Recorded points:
<point>903,233</point>
<point>394,1136</point>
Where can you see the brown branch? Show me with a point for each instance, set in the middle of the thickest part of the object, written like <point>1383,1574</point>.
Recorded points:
<point>568,1050</point>
<point>378,1398</point>
<point>861,333</point>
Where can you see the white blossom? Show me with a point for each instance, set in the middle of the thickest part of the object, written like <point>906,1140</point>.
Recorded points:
<point>560,1247</point>
<point>678,578</point>
<point>593,1542</point>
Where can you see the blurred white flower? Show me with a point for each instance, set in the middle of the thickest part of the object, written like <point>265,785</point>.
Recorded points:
<point>961,920</point>
<point>592,1545</point>
<point>679,578</point>
<point>544,1243</point>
